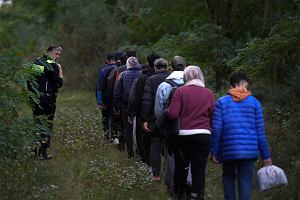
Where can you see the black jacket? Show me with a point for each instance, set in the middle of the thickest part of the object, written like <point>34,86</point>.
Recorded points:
<point>139,91</point>
<point>47,80</point>
<point>150,88</point>
<point>123,86</point>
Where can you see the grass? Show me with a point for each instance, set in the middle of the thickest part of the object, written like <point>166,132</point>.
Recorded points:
<point>85,166</point>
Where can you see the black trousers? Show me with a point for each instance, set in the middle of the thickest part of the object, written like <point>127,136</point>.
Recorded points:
<point>191,149</point>
<point>146,140</point>
<point>43,115</point>
<point>139,139</point>
<point>128,133</point>
<point>105,119</point>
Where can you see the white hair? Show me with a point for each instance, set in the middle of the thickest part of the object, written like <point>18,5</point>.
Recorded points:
<point>132,62</point>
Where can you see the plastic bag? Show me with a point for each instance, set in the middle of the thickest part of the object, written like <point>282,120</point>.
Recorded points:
<point>270,176</point>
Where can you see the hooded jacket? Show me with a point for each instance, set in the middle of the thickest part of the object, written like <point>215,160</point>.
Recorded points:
<point>163,92</point>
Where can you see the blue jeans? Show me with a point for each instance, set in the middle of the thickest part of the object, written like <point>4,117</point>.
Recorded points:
<point>243,170</point>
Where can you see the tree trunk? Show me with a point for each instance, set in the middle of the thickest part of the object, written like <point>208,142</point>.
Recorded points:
<point>229,11</point>
<point>212,11</point>
<point>265,18</point>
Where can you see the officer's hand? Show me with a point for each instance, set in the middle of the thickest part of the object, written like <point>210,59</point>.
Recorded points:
<point>59,65</point>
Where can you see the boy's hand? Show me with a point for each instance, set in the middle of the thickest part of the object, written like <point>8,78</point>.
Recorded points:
<point>268,162</point>
<point>214,160</point>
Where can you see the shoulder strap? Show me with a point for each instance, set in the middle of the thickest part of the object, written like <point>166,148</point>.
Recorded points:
<point>174,86</point>
<point>172,83</point>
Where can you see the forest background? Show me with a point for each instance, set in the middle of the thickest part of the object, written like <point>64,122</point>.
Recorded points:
<point>260,37</point>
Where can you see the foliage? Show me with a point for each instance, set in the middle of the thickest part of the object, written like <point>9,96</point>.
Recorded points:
<point>260,37</point>
<point>16,125</point>
<point>277,55</point>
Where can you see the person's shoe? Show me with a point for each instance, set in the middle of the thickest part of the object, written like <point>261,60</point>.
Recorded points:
<point>43,153</point>
<point>46,157</point>
<point>116,141</point>
<point>156,178</point>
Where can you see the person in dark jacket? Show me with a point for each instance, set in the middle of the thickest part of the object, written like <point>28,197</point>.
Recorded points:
<point>115,72</point>
<point>102,78</point>
<point>143,140</point>
<point>107,95</point>
<point>48,80</point>
<point>193,105</point>
<point>238,137</point>
<point>152,83</point>
<point>121,95</point>
<point>116,119</point>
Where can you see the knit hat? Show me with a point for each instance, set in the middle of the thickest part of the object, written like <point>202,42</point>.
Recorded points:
<point>132,62</point>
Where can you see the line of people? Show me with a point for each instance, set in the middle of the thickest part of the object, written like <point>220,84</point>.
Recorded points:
<point>171,113</point>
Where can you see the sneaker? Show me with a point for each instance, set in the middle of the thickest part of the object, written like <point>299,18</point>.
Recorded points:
<point>46,157</point>
<point>156,178</point>
<point>116,141</point>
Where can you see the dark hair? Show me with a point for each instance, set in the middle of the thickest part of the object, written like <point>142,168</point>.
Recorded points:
<point>151,58</point>
<point>131,53</point>
<point>178,67</point>
<point>160,63</point>
<point>178,63</point>
<point>111,56</point>
<point>54,47</point>
<point>123,58</point>
<point>236,77</point>
<point>120,56</point>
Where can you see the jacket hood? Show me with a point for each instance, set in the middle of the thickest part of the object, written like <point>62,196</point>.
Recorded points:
<point>239,94</point>
<point>176,75</point>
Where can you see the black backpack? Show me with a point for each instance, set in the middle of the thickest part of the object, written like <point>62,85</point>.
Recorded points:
<point>164,124</point>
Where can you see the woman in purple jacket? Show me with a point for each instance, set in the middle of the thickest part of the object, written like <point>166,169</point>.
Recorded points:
<point>193,105</point>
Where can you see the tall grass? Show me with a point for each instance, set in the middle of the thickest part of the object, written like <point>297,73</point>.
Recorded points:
<point>86,166</point>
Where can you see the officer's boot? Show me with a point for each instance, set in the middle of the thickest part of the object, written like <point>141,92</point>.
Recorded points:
<point>43,152</point>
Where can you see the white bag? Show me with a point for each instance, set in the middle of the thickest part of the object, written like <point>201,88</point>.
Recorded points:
<point>270,176</point>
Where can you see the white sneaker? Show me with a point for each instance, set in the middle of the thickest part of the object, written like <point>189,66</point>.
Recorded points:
<point>116,141</point>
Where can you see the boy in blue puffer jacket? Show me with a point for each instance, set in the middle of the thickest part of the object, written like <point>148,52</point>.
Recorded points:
<point>238,137</point>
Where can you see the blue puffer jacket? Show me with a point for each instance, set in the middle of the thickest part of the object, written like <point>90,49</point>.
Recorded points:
<point>123,86</point>
<point>238,130</point>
